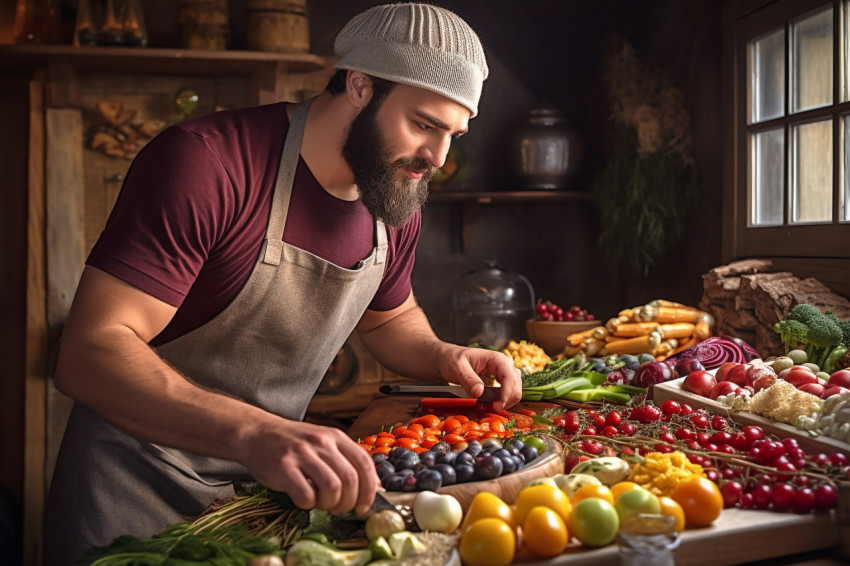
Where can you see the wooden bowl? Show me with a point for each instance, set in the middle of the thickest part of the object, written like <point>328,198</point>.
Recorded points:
<point>506,487</point>
<point>552,336</point>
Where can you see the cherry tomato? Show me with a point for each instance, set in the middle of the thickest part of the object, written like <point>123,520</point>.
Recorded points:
<point>838,459</point>
<point>614,418</point>
<point>684,433</point>
<point>671,407</point>
<point>719,423</point>
<point>590,446</point>
<point>761,496</point>
<point>385,441</point>
<point>731,491</point>
<point>753,433</point>
<point>628,429</point>
<point>804,500</point>
<point>701,500</point>
<point>589,431</point>
<point>825,497</point>
<point>370,439</point>
<point>609,431</point>
<point>428,421</point>
<point>592,490</point>
<point>686,409</point>
<point>782,496</point>
<point>698,420</point>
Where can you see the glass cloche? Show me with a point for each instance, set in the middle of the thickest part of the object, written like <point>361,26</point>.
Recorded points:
<point>490,306</point>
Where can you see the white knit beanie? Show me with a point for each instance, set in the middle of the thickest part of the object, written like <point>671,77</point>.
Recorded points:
<point>418,45</point>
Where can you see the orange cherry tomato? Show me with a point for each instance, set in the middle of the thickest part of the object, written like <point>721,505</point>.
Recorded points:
<point>494,416</point>
<point>380,450</point>
<point>416,435</point>
<point>450,424</point>
<point>385,441</point>
<point>468,427</point>
<point>473,435</point>
<point>461,418</point>
<point>428,421</point>
<point>370,439</point>
<point>399,431</point>
<point>420,449</point>
<point>493,425</point>
<point>416,426</point>
<point>366,447</point>
<point>385,434</point>
<point>527,412</point>
<point>407,442</point>
<point>453,439</point>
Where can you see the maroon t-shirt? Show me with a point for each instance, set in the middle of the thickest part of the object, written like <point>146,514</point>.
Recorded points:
<point>189,223</point>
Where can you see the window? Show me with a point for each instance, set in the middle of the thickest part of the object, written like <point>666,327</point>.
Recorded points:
<point>792,130</point>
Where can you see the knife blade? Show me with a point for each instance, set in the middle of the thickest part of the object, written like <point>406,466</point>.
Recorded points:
<point>489,395</point>
<point>381,503</point>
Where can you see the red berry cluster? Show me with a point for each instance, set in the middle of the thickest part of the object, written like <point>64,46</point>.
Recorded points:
<point>752,470</point>
<point>547,310</point>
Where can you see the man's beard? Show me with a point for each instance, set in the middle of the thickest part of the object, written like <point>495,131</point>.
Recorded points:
<point>384,195</point>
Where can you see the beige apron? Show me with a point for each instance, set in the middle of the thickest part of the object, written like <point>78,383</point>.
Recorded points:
<point>270,347</point>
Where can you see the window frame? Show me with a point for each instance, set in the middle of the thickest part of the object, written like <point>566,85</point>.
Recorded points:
<point>748,20</point>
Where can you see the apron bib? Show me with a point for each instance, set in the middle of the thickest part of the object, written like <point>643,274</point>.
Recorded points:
<point>270,347</point>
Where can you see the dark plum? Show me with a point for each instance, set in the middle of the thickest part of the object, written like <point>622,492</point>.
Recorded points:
<point>449,474</point>
<point>474,448</point>
<point>487,467</point>
<point>410,483</point>
<point>508,464</point>
<point>684,366</point>
<point>491,445</point>
<point>464,458</point>
<point>377,457</point>
<point>428,459</point>
<point>447,458</point>
<point>429,479</point>
<point>518,460</point>
<point>409,461</point>
<point>514,444</point>
<point>404,472</point>
<point>441,447</point>
<point>464,472</point>
<point>398,452</point>
<point>384,468</point>
<point>502,453</point>
<point>529,453</point>
<point>393,482</point>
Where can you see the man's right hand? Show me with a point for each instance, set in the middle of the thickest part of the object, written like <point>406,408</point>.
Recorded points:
<point>317,466</point>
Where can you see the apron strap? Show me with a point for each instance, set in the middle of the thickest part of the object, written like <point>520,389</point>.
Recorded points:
<point>286,174</point>
<point>381,233</point>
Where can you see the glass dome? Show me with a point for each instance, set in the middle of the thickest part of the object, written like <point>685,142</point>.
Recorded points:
<point>490,306</point>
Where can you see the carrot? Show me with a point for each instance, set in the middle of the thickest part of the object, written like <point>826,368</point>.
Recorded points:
<point>600,332</point>
<point>571,351</point>
<point>613,323</point>
<point>637,345</point>
<point>593,346</point>
<point>665,315</point>
<point>677,330</point>
<point>702,330</point>
<point>633,329</point>
<point>578,337</point>
<point>665,348</point>
<point>665,303</point>
<point>615,338</point>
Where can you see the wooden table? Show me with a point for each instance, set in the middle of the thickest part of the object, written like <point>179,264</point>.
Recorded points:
<point>737,537</point>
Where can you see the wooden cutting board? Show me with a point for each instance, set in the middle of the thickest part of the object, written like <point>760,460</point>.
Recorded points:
<point>383,412</point>
<point>673,390</point>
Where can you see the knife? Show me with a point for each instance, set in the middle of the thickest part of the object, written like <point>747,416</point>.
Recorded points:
<point>489,395</point>
<point>381,503</point>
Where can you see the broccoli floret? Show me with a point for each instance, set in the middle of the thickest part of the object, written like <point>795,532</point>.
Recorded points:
<point>821,336</point>
<point>791,332</point>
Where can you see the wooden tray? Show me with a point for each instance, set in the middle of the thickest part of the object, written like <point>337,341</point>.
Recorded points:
<point>548,464</point>
<point>673,390</point>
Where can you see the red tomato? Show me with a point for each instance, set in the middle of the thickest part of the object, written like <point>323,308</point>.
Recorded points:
<point>699,382</point>
<point>840,378</point>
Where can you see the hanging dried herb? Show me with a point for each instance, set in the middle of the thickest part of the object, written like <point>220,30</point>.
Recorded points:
<point>648,190</point>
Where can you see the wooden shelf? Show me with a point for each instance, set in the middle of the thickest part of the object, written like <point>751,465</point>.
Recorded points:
<point>25,58</point>
<point>488,197</point>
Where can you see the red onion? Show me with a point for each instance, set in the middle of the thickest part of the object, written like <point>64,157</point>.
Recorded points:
<point>715,351</point>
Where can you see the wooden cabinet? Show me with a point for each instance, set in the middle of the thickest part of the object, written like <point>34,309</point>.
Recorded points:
<point>58,191</point>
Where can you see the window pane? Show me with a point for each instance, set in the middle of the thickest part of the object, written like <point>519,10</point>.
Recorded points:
<point>845,46</point>
<point>767,76</point>
<point>844,213</point>
<point>811,61</point>
<point>811,172</point>
<point>767,185</point>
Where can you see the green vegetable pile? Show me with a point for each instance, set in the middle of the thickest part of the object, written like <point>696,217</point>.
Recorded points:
<point>575,379</point>
<point>824,337</point>
<point>256,522</point>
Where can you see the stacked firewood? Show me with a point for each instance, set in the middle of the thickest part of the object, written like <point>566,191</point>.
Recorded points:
<point>747,298</point>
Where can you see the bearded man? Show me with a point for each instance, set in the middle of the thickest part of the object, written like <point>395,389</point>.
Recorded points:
<point>243,250</point>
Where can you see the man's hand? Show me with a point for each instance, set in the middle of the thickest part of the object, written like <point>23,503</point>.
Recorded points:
<point>317,466</point>
<point>470,366</point>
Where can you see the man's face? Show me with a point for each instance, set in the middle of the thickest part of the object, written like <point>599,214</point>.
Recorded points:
<point>393,177</point>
